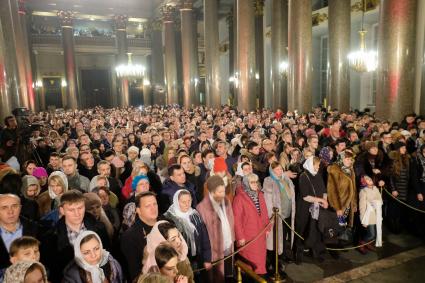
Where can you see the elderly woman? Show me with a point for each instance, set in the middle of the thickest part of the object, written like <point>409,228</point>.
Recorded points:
<point>193,229</point>
<point>91,262</point>
<point>250,212</point>
<point>279,192</point>
<point>312,197</point>
<point>26,271</point>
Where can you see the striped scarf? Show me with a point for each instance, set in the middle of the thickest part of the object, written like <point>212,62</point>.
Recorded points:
<point>253,195</point>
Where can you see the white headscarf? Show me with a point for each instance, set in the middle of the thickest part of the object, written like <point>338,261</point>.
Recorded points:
<point>308,165</point>
<point>96,272</point>
<point>189,228</point>
<point>64,179</point>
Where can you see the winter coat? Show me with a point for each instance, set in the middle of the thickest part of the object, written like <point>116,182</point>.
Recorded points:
<point>342,191</point>
<point>248,224</point>
<point>213,224</point>
<point>272,197</point>
<point>75,274</point>
<point>366,196</point>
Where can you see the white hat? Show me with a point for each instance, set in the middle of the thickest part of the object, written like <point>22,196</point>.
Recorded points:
<point>133,149</point>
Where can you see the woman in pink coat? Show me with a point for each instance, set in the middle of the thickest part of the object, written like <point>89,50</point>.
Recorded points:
<point>250,214</point>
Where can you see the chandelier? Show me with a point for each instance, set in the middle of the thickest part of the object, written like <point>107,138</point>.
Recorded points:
<point>363,60</point>
<point>130,70</point>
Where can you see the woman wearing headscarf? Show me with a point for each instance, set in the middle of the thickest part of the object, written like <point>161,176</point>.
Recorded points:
<point>93,206</point>
<point>164,231</point>
<point>279,192</point>
<point>91,262</point>
<point>250,214</point>
<point>30,190</point>
<point>24,271</point>
<point>192,227</point>
<point>49,201</point>
<point>312,197</point>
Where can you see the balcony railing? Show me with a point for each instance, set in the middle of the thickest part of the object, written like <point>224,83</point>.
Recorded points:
<point>55,39</point>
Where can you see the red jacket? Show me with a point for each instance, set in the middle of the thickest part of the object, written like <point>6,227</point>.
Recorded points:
<point>248,224</point>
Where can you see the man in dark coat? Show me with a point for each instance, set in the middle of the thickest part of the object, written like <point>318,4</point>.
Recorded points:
<point>133,241</point>
<point>12,226</point>
<point>176,182</point>
<point>57,248</point>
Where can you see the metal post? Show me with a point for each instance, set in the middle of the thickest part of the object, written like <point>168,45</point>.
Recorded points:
<point>276,277</point>
<point>239,274</point>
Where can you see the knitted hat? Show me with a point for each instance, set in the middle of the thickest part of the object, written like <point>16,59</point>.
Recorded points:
<point>39,172</point>
<point>369,145</point>
<point>398,145</point>
<point>137,179</point>
<point>219,164</point>
<point>213,182</point>
<point>133,149</point>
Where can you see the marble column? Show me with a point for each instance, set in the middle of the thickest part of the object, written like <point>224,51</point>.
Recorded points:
<point>120,22</point>
<point>157,58</point>
<point>212,54</point>
<point>339,46</point>
<point>396,61</point>
<point>299,53</point>
<point>189,55</point>
<point>170,63</point>
<point>5,94</point>
<point>26,52</point>
<point>230,21</point>
<point>259,50</point>
<point>420,60</point>
<point>147,88</point>
<point>279,43</point>
<point>69,57</point>
<point>245,45</point>
<point>14,48</point>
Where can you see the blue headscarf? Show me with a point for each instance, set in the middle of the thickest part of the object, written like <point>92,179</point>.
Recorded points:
<point>137,179</point>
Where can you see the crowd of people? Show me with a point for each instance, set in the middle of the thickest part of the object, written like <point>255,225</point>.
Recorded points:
<point>163,194</point>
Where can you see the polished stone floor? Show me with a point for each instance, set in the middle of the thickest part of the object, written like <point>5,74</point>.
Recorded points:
<point>401,259</point>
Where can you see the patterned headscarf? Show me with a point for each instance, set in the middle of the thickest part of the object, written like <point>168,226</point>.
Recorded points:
<point>325,155</point>
<point>17,272</point>
<point>253,195</point>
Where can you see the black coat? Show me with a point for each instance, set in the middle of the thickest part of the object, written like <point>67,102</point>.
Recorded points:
<point>57,251</point>
<point>133,243</point>
<point>169,189</point>
<point>29,228</point>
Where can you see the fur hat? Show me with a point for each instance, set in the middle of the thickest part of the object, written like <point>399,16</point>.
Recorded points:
<point>213,182</point>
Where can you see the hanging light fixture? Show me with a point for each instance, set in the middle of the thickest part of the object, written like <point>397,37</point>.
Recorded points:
<point>130,70</point>
<point>363,60</point>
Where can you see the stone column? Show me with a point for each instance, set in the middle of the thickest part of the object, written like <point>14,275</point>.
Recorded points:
<point>339,47</point>
<point>69,56</point>
<point>396,61</point>
<point>229,19</point>
<point>299,53</point>
<point>170,53</point>
<point>147,89</point>
<point>279,42</point>
<point>26,52</point>
<point>120,22</point>
<point>420,72</point>
<point>14,48</point>
<point>5,94</point>
<point>245,45</point>
<point>189,55</point>
<point>259,50</point>
<point>212,54</point>
<point>157,58</point>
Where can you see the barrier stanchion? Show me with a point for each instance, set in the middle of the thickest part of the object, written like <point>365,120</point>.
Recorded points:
<point>276,278</point>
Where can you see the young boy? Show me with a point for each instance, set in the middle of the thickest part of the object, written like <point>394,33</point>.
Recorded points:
<point>370,206</point>
<point>24,248</point>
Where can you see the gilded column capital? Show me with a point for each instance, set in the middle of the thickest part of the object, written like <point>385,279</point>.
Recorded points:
<point>155,24</point>
<point>168,11</point>
<point>186,5</point>
<point>120,22</point>
<point>368,5</point>
<point>66,18</point>
<point>259,7</point>
<point>318,18</point>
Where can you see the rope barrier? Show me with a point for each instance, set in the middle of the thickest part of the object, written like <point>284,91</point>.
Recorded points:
<point>329,249</point>
<point>241,248</point>
<point>402,202</point>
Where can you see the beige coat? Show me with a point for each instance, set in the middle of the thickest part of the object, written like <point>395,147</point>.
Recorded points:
<point>366,196</point>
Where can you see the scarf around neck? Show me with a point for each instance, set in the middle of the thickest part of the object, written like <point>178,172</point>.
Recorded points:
<point>220,209</point>
<point>96,272</point>
<point>253,195</point>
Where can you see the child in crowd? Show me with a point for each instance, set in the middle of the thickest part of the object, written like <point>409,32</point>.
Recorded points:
<point>23,249</point>
<point>370,204</point>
